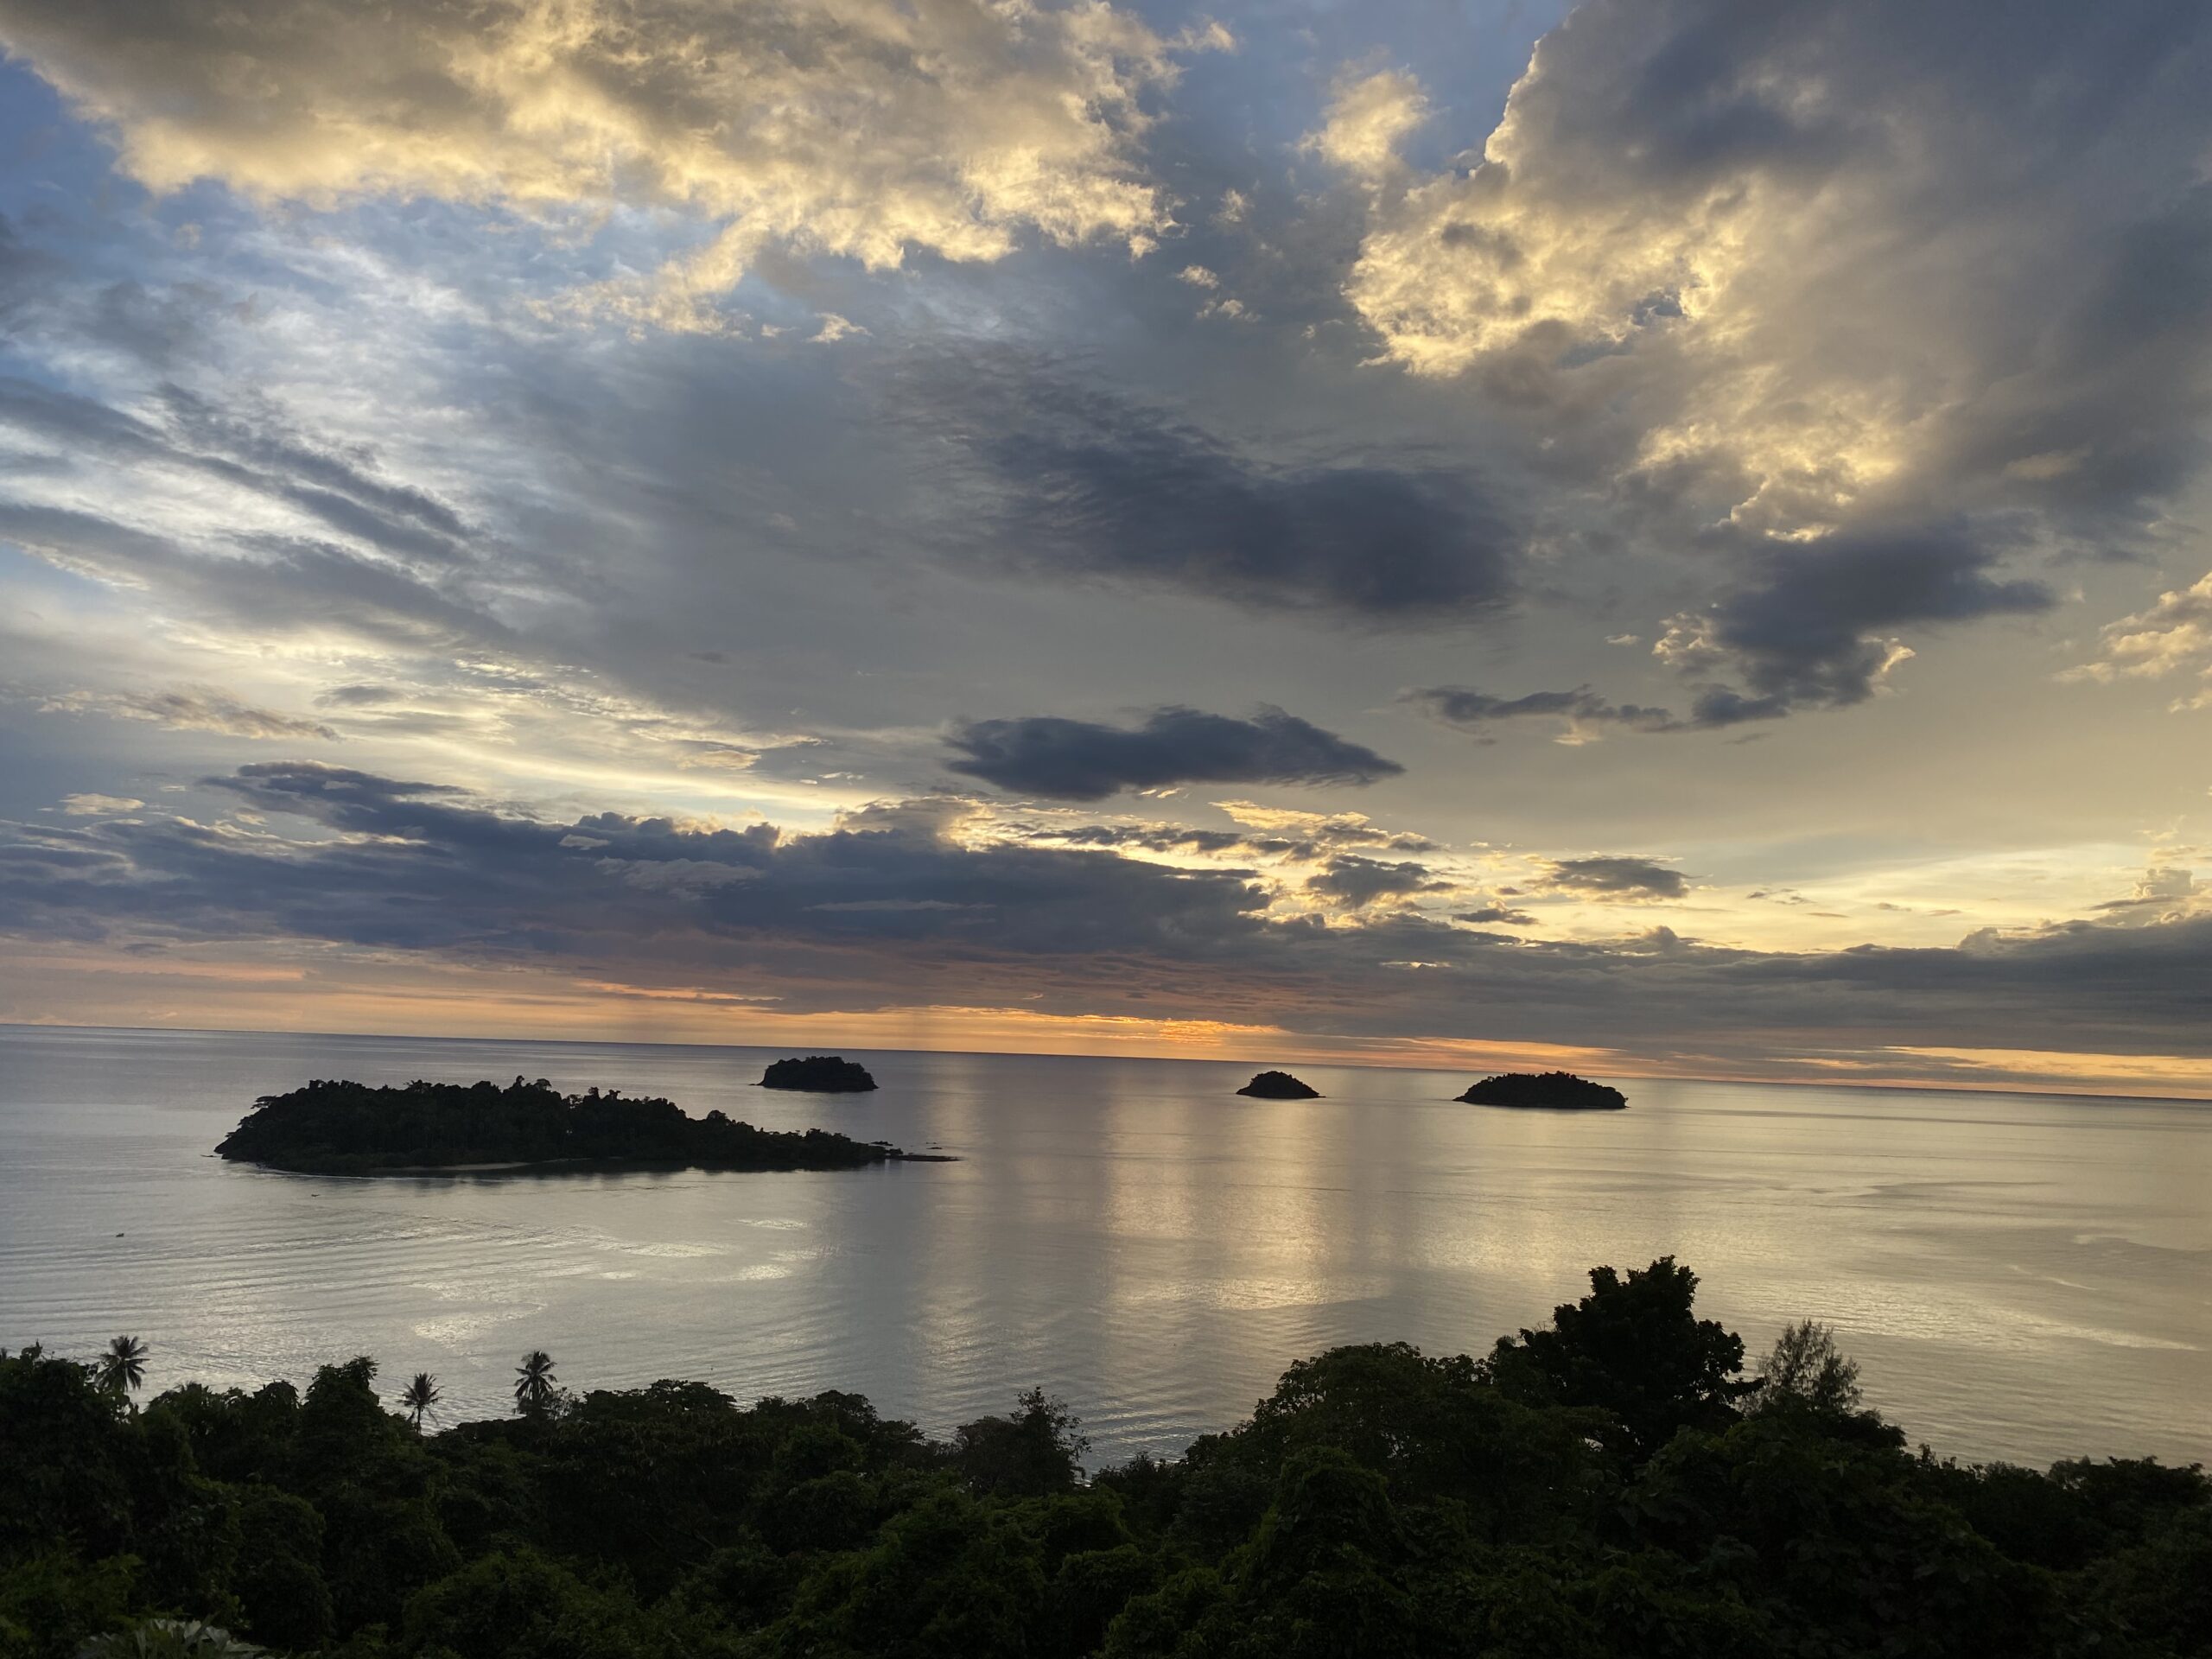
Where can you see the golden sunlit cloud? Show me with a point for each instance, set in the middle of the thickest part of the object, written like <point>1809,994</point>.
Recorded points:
<point>861,128</point>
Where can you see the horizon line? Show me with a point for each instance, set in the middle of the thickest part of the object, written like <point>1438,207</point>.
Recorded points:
<point>1870,1084</point>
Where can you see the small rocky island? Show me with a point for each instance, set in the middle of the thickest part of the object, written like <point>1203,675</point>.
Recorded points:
<point>350,1129</point>
<point>1279,1085</point>
<point>819,1074</point>
<point>1557,1090</point>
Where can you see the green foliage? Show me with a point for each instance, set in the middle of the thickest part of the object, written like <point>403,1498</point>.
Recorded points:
<point>1608,1486</point>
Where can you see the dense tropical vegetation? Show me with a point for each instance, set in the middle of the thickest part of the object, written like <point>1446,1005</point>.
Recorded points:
<point>1610,1484</point>
<point>819,1074</point>
<point>350,1129</point>
<point>1559,1090</point>
<point>1280,1085</point>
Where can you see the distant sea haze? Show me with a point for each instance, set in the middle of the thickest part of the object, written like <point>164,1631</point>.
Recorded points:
<point>2020,1276</point>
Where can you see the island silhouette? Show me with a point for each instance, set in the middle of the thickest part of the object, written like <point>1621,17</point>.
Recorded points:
<point>1279,1085</point>
<point>819,1074</point>
<point>332,1128</point>
<point>1555,1090</point>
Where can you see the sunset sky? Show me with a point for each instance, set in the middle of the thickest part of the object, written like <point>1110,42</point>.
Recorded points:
<point>1664,537</point>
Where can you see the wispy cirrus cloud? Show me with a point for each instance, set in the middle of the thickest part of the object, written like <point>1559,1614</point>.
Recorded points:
<point>189,708</point>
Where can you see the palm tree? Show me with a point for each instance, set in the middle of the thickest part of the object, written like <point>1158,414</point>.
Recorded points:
<point>420,1399</point>
<point>535,1384</point>
<point>123,1368</point>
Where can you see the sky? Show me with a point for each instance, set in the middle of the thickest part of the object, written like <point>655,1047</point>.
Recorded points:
<point>1665,537</point>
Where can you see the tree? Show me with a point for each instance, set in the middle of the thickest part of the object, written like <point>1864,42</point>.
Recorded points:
<point>1631,1347</point>
<point>536,1389</point>
<point>1806,1367</point>
<point>419,1399</point>
<point>123,1368</point>
<point>1035,1454</point>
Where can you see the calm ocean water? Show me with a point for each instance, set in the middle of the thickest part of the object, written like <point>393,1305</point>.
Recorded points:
<point>2021,1277</point>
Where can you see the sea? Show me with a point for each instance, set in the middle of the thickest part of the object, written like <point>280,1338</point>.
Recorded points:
<point>2021,1277</point>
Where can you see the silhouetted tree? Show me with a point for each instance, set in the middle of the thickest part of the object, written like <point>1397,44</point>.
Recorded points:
<point>536,1389</point>
<point>419,1399</point>
<point>1035,1454</point>
<point>123,1368</point>
<point>1632,1348</point>
<point>1380,1501</point>
<point>1806,1367</point>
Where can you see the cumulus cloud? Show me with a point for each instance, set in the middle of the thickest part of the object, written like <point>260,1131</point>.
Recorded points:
<point>1368,118</point>
<point>2171,637</point>
<point>1082,760</point>
<point>866,129</point>
<point>1830,289</point>
<point>1351,879</point>
<point>1616,877</point>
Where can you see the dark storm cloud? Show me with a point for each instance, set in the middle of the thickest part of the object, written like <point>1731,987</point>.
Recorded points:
<point>1082,760</point>
<point>1078,482</point>
<point>1471,710</point>
<point>1811,633</point>
<point>1615,877</point>
<point>1359,881</point>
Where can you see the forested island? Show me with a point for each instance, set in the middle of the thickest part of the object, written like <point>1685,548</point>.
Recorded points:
<point>1611,1486</point>
<point>819,1074</point>
<point>1555,1090</point>
<point>1279,1085</point>
<point>350,1129</point>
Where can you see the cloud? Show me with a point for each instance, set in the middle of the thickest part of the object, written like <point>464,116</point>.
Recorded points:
<point>1367,118</point>
<point>905,916</point>
<point>2171,637</point>
<point>91,806</point>
<point>867,129</point>
<point>1075,481</point>
<point>1360,881</point>
<point>1150,837</point>
<point>188,709</point>
<point>1810,632</point>
<point>1616,877</point>
<point>1495,915</point>
<point>416,866</point>
<point>1829,292</point>
<point>1475,711</point>
<point>1082,760</point>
